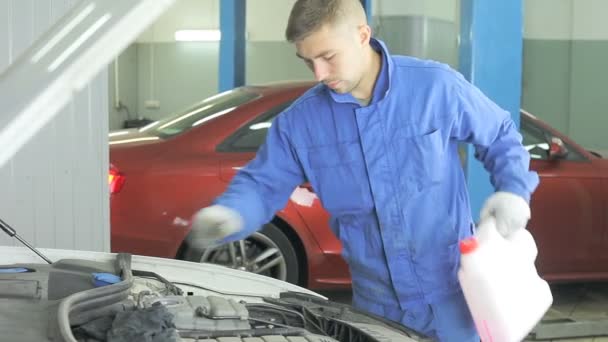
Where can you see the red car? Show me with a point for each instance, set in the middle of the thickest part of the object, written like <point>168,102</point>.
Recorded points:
<point>569,208</point>
<point>163,172</point>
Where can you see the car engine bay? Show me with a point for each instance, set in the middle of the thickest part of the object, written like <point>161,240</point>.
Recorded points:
<point>84,300</point>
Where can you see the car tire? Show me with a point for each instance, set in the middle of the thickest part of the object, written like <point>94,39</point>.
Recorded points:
<point>268,240</point>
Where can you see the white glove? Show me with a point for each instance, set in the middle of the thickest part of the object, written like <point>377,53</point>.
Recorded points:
<point>510,211</point>
<point>211,224</point>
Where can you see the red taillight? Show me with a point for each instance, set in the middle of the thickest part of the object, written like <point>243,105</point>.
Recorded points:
<point>115,179</point>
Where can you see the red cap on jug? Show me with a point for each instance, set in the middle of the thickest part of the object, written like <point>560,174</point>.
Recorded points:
<point>468,245</point>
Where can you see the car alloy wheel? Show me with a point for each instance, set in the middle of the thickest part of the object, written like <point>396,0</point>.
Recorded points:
<point>267,252</point>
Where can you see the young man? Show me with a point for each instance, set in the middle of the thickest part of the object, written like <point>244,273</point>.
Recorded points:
<point>378,140</point>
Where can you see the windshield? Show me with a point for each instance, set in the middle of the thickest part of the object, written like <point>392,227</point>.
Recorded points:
<point>200,113</point>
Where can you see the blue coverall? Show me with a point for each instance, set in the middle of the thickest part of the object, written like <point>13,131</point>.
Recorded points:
<point>390,176</point>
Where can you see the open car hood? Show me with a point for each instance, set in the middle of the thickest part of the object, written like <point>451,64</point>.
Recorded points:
<point>96,296</point>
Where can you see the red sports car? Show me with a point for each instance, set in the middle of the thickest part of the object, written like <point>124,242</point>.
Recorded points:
<point>163,172</point>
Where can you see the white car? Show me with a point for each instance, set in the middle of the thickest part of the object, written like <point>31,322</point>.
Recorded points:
<point>94,296</point>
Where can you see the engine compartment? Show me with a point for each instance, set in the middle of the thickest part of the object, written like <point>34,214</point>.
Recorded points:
<point>80,300</point>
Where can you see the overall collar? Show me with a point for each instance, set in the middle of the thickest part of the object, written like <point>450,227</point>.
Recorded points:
<point>382,84</point>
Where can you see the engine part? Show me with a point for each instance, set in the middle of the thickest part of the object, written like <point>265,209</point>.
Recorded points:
<point>204,313</point>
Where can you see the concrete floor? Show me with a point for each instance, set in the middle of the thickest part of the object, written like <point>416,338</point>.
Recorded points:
<point>583,306</point>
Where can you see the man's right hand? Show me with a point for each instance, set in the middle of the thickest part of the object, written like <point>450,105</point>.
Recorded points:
<point>212,224</point>
<point>510,211</point>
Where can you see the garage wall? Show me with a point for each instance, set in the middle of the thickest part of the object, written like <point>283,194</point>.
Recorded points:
<point>426,29</point>
<point>125,90</point>
<point>154,70</point>
<point>564,71</point>
<point>161,65</point>
<point>55,192</point>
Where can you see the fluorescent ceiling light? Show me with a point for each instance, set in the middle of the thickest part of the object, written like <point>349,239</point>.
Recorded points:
<point>198,35</point>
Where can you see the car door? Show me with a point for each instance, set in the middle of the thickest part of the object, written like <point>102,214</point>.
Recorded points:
<point>240,147</point>
<point>567,207</point>
<point>243,144</point>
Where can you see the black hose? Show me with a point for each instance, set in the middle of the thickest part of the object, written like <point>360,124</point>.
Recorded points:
<point>170,286</point>
<point>81,302</point>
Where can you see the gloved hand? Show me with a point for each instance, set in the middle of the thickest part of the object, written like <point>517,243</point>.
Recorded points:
<point>212,224</point>
<point>510,211</point>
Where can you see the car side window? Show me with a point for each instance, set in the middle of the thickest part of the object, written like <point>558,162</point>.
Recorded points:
<point>535,140</point>
<point>252,136</point>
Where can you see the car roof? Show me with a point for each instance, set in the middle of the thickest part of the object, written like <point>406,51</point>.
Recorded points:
<point>279,87</point>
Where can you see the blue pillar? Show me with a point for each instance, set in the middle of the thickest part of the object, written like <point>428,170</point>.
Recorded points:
<point>232,44</point>
<point>491,58</point>
<point>367,5</point>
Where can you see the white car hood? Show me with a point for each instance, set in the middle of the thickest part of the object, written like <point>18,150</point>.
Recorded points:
<point>216,279</point>
<point>78,293</point>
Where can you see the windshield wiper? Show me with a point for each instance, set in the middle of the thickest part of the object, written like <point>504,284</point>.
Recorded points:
<point>12,233</point>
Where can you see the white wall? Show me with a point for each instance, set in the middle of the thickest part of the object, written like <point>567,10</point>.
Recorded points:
<point>589,19</point>
<point>541,24</point>
<point>55,191</point>
<point>566,20</point>
<point>156,64</point>
<point>267,19</point>
<point>183,14</point>
<point>437,9</point>
<point>565,53</point>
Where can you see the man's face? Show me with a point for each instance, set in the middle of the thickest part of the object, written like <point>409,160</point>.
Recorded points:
<point>334,53</point>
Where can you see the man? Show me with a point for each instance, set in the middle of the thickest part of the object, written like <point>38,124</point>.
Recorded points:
<point>378,140</point>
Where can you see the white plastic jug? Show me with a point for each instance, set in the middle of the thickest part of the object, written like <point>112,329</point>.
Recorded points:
<point>502,288</point>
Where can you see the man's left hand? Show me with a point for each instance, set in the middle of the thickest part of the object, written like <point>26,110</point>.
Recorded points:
<point>510,211</point>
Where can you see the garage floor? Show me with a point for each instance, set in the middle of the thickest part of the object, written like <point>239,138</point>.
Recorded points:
<point>585,304</point>
<point>581,306</point>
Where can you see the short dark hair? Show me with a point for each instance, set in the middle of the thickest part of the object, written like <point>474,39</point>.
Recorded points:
<point>307,16</point>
